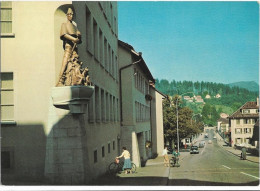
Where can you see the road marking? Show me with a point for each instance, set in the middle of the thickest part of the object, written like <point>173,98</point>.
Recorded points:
<point>226,167</point>
<point>250,175</point>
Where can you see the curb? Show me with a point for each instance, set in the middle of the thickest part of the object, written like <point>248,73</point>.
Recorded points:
<point>237,154</point>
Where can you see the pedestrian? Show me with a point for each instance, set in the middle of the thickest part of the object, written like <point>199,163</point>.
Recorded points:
<point>165,157</point>
<point>127,163</point>
<point>176,155</point>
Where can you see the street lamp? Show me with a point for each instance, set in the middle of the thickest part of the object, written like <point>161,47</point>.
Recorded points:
<point>177,114</point>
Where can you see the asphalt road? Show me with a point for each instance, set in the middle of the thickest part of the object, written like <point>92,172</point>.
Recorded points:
<point>214,166</point>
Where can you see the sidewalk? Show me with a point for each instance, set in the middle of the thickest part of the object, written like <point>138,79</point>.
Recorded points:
<point>153,174</point>
<point>234,151</point>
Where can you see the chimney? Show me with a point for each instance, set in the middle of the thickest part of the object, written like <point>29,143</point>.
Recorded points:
<point>257,101</point>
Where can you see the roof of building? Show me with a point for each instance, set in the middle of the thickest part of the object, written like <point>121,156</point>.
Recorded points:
<point>247,105</point>
<point>137,55</point>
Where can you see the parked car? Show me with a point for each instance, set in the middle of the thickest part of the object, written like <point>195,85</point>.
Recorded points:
<point>194,150</point>
<point>209,142</point>
<point>201,144</point>
<point>206,135</point>
<point>214,137</point>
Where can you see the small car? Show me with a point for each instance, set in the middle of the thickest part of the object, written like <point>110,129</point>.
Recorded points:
<point>209,142</point>
<point>194,150</point>
<point>201,144</point>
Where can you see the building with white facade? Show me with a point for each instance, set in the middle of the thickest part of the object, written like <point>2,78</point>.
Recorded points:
<point>138,119</point>
<point>41,142</point>
<point>242,123</point>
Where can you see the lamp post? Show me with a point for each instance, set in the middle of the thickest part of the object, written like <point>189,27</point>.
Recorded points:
<point>177,114</point>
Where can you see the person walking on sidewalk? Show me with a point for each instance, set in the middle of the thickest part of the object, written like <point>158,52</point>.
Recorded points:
<point>165,157</point>
<point>127,163</point>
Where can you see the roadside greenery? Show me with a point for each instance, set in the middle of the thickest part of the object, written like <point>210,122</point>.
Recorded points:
<point>188,123</point>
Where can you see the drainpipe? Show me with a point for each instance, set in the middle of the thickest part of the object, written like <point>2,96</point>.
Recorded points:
<point>120,87</point>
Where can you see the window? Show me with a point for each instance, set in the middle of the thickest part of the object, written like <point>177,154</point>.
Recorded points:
<point>238,121</point>
<point>96,35</point>
<point>103,151</point>
<point>89,38</point>
<point>105,54</point>
<point>108,148</point>
<point>238,131</point>
<point>95,156</point>
<point>246,111</point>
<point>103,106</point>
<point>114,145</point>
<point>101,48</point>
<point>97,104</point>
<point>246,121</point>
<point>7,97</point>
<point>6,17</point>
<point>247,130</point>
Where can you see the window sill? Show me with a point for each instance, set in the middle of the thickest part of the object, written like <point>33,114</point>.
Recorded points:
<point>8,122</point>
<point>7,35</point>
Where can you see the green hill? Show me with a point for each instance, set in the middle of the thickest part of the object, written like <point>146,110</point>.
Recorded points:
<point>249,85</point>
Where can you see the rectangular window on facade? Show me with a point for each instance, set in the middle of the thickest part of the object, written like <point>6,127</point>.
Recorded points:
<point>6,17</point>
<point>107,107</point>
<point>103,106</point>
<point>101,48</point>
<point>7,97</point>
<point>97,104</point>
<point>246,121</point>
<point>247,130</point>
<point>111,108</point>
<point>108,148</point>
<point>89,31</point>
<point>95,156</point>
<point>114,145</point>
<point>237,121</point>
<point>238,131</point>
<point>103,151</point>
<point>109,59</point>
<point>105,54</point>
<point>113,65</point>
<point>96,39</point>
<point>246,111</point>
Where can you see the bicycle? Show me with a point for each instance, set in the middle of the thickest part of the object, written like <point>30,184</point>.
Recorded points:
<point>174,161</point>
<point>117,166</point>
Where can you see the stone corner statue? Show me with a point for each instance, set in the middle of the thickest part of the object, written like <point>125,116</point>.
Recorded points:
<point>71,73</point>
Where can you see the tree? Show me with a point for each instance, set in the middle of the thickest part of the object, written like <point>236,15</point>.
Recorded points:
<point>186,125</point>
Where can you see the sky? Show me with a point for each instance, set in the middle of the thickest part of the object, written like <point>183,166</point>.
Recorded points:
<point>194,41</point>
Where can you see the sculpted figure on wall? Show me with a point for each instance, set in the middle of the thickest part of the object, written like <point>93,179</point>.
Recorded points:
<point>71,72</point>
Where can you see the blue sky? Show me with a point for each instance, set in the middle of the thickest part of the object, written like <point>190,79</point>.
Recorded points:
<point>194,41</point>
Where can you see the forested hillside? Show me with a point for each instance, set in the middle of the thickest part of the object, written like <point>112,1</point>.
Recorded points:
<point>231,97</point>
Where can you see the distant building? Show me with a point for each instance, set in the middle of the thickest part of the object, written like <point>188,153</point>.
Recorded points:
<point>198,99</point>
<point>218,96</point>
<point>188,98</point>
<point>224,129</point>
<point>207,96</point>
<point>242,123</point>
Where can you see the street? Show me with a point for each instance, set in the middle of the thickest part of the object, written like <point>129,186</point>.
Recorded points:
<point>214,166</point>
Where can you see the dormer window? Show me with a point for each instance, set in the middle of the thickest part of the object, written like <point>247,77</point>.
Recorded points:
<point>246,111</point>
